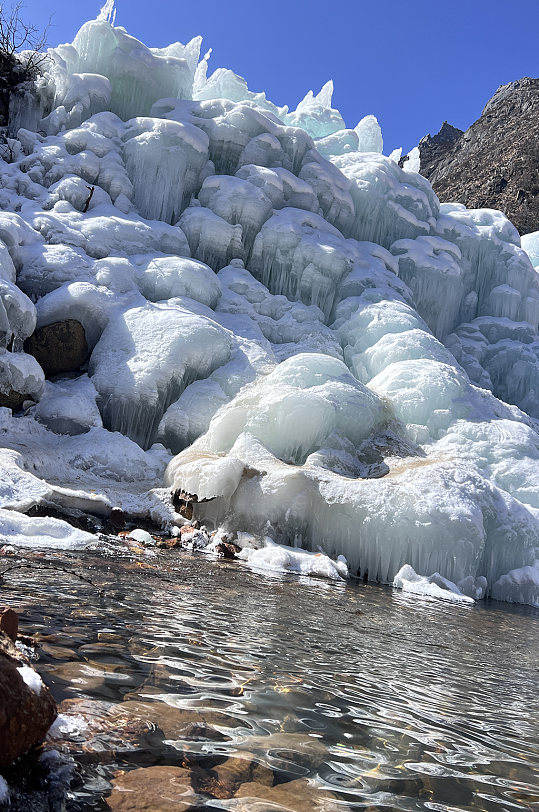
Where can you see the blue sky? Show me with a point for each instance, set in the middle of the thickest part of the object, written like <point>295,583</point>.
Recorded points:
<point>411,64</point>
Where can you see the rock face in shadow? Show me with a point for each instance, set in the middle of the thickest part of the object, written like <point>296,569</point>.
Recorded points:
<point>495,163</point>
<point>27,708</point>
<point>58,347</point>
<point>13,400</point>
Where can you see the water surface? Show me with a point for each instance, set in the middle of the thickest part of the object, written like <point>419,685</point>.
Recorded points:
<point>364,697</point>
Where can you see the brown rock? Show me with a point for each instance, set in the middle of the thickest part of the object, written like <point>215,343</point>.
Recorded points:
<point>25,716</point>
<point>152,789</point>
<point>300,748</point>
<point>227,550</point>
<point>58,347</point>
<point>175,722</point>
<point>187,528</point>
<point>169,543</point>
<point>224,780</point>
<point>9,623</point>
<point>296,796</point>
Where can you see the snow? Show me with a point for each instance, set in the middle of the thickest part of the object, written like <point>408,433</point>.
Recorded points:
<point>31,678</point>
<point>22,531</point>
<point>281,322</point>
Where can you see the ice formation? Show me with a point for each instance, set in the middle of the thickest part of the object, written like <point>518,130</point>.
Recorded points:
<point>432,586</point>
<point>278,558</point>
<point>276,313</point>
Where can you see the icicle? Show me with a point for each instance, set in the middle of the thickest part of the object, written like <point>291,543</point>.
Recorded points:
<point>108,12</point>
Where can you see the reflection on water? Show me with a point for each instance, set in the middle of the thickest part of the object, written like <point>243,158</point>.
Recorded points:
<point>298,695</point>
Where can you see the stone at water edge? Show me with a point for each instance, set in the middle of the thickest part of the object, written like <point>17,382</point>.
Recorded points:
<point>58,347</point>
<point>25,714</point>
<point>227,550</point>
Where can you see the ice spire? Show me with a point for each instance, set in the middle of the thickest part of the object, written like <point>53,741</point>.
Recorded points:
<point>201,73</point>
<point>108,12</point>
<point>326,94</point>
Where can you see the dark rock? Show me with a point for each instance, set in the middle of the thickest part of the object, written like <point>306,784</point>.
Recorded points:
<point>13,400</point>
<point>494,164</point>
<point>117,518</point>
<point>58,347</point>
<point>227,549</point>
<point>25,716</point>
<point>9,623</point>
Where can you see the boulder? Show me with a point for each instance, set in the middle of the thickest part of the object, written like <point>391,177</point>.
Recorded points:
<point>27,708</point>
<point>58,347</point>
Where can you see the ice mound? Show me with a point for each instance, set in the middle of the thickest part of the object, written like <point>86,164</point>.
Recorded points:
<point>68,406</point>
<point>144,360</point>
<point>277,558</point>
<point>20,374</point>
<point>277,314</point>
<point>519,585</point>
<point>432,586</point>
<point>22,531</point>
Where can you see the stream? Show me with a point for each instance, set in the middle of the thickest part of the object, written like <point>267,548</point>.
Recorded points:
<point>314,694</point>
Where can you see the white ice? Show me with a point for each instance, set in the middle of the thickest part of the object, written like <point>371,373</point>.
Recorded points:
<point>431,586</point>
<point>31,678</point>
<point>280,558</point>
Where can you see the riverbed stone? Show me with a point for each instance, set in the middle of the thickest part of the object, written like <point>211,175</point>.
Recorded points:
<point>224,780</point>
<point>152,789</point>
<point>176,723</point>
<point>308,752</point>
<point>25,714</point>
<point>299,795</point>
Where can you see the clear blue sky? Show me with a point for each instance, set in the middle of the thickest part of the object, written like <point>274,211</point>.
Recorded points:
<point>412,64</point>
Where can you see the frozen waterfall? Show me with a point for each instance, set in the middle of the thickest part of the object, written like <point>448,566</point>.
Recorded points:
<point>276,313</point>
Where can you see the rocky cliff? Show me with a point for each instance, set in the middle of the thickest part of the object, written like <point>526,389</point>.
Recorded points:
<point>495,163</point>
